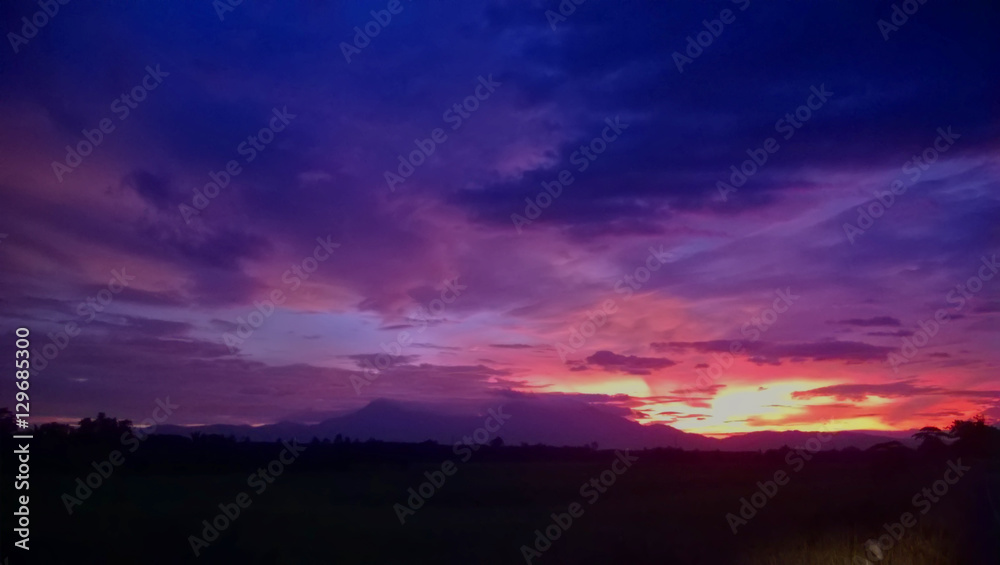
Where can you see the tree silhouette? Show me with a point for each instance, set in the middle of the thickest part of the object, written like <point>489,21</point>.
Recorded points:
<point>975,436</point>
<point>103,428</point>
<point>964,429</point>
<point>931,439</point>
<point>54,431</point>
<point>7,426</point>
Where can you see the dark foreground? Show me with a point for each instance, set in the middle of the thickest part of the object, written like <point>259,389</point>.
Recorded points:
<point>337,503</point>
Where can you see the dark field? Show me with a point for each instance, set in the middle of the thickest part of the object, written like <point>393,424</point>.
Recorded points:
<point>335,504</point>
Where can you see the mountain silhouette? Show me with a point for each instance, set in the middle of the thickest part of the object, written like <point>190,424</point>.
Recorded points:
<point>560,423</point>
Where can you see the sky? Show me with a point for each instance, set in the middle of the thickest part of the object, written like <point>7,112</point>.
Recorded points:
<point>721,216</point>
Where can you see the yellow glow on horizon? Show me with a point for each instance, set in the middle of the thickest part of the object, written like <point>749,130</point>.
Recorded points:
<point>734,405</point>
<point>618,384</point>
<point>739,408</point>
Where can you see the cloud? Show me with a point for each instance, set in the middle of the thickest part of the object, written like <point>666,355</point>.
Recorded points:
<point>874,321</point>
<point>439,347</point>
<point>765,352</point>
<point>629,364</point>
<point>900,389</point>
<point>653,186</point>
<point>152,188</point>
<point>148,327</point>
<point>364,360</point>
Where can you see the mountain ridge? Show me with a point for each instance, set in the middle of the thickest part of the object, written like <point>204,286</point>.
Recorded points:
<point>526,422</point>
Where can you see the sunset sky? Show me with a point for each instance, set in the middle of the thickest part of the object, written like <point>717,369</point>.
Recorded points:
<point>716,308</point>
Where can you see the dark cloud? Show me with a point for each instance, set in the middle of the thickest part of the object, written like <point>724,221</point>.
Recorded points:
<point>899,389</point>
<point>149,327</point>
<point>670,159</point>
<point>369,359</point>
<point>874,321</point>
<point>987,308</point>
<point>630,364</point>
<point>439,347</point>
<point>152,188</point>
<point>765,352</point>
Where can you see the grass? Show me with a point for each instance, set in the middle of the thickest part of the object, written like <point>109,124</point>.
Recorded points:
<point>666,509</point>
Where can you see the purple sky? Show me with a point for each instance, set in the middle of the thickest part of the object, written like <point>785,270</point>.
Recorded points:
<point>656,283</point>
